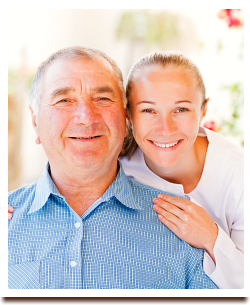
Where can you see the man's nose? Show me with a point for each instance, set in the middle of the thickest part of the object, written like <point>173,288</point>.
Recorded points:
<point>85,113</point>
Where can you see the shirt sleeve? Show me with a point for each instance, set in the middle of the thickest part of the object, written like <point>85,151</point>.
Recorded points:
<point>229,255</point>
<point>199,279</point>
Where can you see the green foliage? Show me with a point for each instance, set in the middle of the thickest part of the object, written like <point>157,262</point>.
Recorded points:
<point>150,28</point>
<point>12,78</point>
<point>232,126</point>
<point>15,77</point>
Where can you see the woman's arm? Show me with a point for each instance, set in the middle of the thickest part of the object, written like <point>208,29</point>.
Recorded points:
<point>10,211</point>
<point>226,264</point>
<point>190,222</point>
<point>229,254</point>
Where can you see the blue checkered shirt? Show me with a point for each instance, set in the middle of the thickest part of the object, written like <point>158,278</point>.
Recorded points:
<point>118,243</point>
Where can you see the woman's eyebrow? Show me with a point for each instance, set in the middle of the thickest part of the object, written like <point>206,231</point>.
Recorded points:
<point>184,101</point>
<point>145,102</point>
<point>153,103</point>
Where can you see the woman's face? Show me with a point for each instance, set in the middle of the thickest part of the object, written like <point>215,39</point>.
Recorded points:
<point>166,113</point>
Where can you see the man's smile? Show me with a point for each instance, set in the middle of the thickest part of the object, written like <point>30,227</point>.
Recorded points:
<point>85,138</point>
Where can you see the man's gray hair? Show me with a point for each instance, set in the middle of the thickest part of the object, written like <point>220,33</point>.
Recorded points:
<point>70,53</point>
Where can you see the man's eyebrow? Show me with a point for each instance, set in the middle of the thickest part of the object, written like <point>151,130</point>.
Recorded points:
<point>61,91</point>
<point>104,89</point>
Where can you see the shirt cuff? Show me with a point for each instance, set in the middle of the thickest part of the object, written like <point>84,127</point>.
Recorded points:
<point>229,269</point>
<point>208,264</point>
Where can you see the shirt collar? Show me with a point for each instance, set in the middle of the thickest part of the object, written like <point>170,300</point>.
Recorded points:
<point>123,191</point>
<point>45,186</point>
<point>120,188</point>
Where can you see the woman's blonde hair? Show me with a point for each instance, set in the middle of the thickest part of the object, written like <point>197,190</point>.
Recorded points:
<point>165,60</point>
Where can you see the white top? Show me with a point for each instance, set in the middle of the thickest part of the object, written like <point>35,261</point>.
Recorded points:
<point>220,193</point>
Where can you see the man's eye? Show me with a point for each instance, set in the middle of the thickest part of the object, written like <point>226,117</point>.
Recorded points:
<point>63,101</point>
<point>181,110</point>
<point>104,99</point>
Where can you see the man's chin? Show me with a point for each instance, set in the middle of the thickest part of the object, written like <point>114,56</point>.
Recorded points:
<point>88,162</point>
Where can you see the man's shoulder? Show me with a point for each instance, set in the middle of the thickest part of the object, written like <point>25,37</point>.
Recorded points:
<point>142,190</point>
<point>22,195</point>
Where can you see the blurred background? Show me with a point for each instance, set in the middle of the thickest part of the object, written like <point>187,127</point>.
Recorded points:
<point>213,39</point>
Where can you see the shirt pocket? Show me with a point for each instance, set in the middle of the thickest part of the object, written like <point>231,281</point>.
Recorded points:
<point>24,275</point>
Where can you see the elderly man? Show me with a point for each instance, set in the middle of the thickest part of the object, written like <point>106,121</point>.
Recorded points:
<point>84,224</point>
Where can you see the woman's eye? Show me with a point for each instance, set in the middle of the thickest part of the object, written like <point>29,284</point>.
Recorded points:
<point>181,110</point>
<point>148,110</point>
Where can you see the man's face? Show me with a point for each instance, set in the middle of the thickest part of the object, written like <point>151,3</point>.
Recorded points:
<point>81,119</point>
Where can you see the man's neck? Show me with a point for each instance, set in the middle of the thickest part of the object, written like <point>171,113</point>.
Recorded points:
<point>81,191</point>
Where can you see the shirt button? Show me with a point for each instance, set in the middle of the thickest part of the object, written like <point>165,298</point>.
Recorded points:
<point>73,264</point>
<point>77,225</point>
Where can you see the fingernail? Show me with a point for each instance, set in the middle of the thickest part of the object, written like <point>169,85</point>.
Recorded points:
<point>160,196</point>
<point>155,207</point>
<point>155,200</point>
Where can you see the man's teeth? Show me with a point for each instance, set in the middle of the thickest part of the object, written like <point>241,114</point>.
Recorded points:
<point>166,145</point>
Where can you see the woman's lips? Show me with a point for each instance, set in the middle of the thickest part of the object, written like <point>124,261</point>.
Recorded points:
<point>166,144</point>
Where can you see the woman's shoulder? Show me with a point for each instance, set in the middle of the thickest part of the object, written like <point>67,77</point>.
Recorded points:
<point>225,160</point>
<point>134,164</point>
<point>224,148</point>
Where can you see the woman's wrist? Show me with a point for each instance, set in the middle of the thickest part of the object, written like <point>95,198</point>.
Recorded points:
<point>209,248</point>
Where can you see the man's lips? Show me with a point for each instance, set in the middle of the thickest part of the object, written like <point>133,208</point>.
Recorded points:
<point>165,144</point>
<point>85,138</point>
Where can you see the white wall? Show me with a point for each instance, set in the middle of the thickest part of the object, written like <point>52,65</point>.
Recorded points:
<point>35,34</point>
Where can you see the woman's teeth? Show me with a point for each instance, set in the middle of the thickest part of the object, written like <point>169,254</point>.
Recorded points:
<point>166,145</point>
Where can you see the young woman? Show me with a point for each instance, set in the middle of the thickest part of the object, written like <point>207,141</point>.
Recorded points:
<point>167,149</point>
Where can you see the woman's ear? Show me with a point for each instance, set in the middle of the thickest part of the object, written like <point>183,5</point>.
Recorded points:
<point>204,109</point>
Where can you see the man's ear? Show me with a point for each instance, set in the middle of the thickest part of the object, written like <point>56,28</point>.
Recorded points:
<point>34,124</point>
<point>127,122</point>
<point>128,119</point>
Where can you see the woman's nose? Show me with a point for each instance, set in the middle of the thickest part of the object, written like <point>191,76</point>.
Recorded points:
<point>166,126</point>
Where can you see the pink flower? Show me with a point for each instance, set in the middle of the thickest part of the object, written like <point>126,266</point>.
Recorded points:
<point>233,17</point>
<point>211,125</point>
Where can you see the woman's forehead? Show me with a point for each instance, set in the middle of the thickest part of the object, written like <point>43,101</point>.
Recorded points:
<point>164,69</point>
<point>164,74</point>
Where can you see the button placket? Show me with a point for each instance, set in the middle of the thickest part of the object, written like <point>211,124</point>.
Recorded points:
<point>74,274</point>
<point>77,225</point>
<point>73,263</point>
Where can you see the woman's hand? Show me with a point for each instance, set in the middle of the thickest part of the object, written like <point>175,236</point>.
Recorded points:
<point>10,210</point>
<point>188,221</point>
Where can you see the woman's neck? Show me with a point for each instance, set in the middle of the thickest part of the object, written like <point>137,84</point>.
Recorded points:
<point>188,170</point>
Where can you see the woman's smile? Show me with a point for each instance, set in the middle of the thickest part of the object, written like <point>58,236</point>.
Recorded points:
<point>166,113</point>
